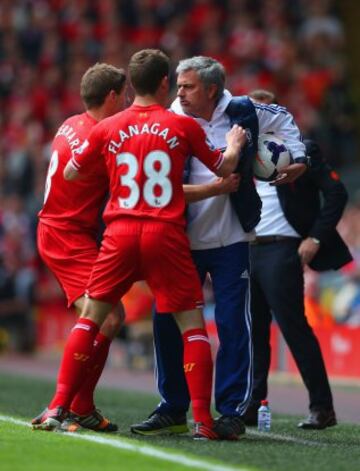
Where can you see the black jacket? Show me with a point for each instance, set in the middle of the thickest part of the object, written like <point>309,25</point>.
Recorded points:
<point>304,209</point>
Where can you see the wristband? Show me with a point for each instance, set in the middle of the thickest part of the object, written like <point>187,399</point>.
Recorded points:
<point>302,160</point>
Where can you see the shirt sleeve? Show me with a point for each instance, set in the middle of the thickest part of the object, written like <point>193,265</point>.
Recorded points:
<point>277,120</point>
<point>201,147</point>
<point>86,157</point>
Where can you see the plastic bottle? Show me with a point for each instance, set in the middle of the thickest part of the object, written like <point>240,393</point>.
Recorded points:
<point>264,417</point>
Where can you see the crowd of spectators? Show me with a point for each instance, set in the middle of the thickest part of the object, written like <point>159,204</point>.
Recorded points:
<point>295,48</point>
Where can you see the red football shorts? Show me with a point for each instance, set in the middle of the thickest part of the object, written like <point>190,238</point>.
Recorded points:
<point>69,255</point>
<point>157,252</point>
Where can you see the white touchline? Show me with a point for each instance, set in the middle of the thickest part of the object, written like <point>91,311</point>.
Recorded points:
<point>283,438</point>
<point>142,449</point>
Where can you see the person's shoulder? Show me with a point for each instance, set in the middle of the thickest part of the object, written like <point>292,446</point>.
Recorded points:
<point>183,120</point>
<point>172,119</point>
<point>113,119</point>
<point>106,125</point>
<point>272,108</point>
<point>69,121</point>
<point>77,120</point>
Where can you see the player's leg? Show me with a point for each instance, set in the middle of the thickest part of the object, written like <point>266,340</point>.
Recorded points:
<point>170,414</point>
<point>172,277</point>
<point>111,277</point>
<point>75,362</point>
<point>82,408</point>
<point>197,362</point>
<point>57,247</point>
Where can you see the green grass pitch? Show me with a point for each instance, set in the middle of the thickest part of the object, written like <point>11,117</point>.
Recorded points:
<point>285,449</point>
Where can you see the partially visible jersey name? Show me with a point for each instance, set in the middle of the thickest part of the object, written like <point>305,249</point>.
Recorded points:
<point>135,130</point>
<point>70,135</point>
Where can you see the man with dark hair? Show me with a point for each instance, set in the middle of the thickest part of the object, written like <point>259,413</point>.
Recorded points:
<point>98,82</point>
<point>295,230</point>
<point>144,149</point>
<point>152,66</point>
<point>219,230</point>
<point>68,229</point>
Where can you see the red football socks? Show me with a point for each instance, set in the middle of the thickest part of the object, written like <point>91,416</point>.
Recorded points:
<point>83,403</point>
<point>198,369</point>
<point>75,362</point>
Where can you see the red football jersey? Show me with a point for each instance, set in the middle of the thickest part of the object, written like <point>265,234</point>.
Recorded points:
<point>145,149</point>
<point>73,205</point>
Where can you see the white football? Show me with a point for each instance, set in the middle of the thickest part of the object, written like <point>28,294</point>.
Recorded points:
<point>272,156</point>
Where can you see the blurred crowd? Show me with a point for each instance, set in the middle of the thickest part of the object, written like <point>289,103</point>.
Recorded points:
<point>294,48</point>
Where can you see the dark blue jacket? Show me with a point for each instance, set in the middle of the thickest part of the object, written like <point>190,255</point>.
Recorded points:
<point>246,202</point>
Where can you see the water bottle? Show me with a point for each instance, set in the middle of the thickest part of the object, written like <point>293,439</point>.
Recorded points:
<point>264,417</point>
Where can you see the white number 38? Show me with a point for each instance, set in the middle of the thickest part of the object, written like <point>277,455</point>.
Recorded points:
<point>154,177</point>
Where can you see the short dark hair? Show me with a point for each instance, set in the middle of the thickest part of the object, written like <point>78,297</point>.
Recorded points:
<point>146,70</point>
<point>97,83</point>
<point>263,96</point>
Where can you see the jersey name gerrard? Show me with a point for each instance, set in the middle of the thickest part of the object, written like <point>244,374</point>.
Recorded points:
<point>73,205</point>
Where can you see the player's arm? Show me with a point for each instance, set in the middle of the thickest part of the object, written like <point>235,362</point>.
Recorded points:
<point>220,186</point>
<point>235,139</point>
<point>277,120</point>
<point>222,164</point>
<point>83,157</point>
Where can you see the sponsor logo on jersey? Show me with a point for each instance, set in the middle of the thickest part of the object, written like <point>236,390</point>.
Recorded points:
<point>81,357</point>
<point>188,367</point>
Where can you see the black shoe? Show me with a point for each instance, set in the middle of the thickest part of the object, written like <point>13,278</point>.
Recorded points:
<point>251,415</point>
<point>203,432</point>
<point>93,421</point>
<point>319,419</point>
<point>224,429</point>
<point>229,427</point>
<point>159,423</point>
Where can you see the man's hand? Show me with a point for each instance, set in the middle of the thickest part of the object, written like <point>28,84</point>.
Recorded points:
<point>289,174</point>
<point>236,137</point>
<point>70,172</point>
<point>307,250</point>
<point>229,184</point>
<point>220,186</point>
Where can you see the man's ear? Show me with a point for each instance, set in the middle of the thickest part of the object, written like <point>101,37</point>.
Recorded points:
<point>113,95</point>
<point>212,91</point>
<point>164,84</point>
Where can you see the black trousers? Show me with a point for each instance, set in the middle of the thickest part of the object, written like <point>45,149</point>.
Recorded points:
<point>277,287</point>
